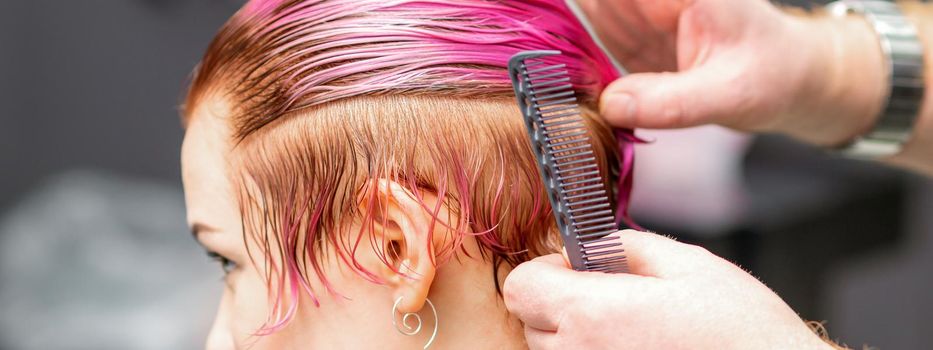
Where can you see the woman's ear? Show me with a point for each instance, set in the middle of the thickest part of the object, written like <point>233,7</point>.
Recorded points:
<point>405,227</point>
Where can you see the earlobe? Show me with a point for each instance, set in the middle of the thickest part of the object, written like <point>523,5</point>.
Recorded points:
<point>404,223</point>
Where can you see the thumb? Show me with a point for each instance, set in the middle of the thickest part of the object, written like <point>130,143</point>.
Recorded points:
<point>652,255</point>
<point>702,95</point>
<point>538,291</point>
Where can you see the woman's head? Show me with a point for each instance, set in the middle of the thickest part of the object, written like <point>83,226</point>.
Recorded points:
<point>346,154</point>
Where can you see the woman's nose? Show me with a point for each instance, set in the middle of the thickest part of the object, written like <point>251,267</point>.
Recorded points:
<point>220,337</point>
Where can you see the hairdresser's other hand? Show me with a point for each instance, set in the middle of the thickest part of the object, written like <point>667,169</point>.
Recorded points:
<point>744,64</point>
<point>679,297</point>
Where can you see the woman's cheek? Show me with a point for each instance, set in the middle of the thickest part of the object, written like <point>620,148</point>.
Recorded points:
<point>251,294</point>
<point>250,308</point>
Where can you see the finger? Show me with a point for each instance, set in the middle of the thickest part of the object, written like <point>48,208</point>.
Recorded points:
<point>705,95</point>
<point>534,291</point>
<point>540,340</point>
<point>647,254</point>
<point>650,254</point>
<point>538,291</point>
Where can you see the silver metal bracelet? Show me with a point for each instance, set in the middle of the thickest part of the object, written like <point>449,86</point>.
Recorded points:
<point>904,59</point>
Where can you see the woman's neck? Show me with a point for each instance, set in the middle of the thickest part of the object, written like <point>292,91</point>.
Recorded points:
<point>471,314</point>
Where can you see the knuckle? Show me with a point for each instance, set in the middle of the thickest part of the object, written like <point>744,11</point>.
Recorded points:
<point>676,112</point>
<point>514,286</point>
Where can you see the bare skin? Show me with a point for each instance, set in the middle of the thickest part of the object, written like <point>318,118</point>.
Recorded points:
<point>749,66</point>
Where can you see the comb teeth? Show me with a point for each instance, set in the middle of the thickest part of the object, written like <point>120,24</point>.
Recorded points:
<point>561,143</point>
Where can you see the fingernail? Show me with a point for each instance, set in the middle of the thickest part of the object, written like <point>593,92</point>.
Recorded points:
<point>621,108</point>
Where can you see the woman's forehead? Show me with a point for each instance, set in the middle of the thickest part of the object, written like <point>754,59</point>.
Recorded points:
<point>203,160</point>
<point>210,109</point>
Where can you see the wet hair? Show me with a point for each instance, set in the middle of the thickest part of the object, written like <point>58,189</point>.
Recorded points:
<point>328,95</point>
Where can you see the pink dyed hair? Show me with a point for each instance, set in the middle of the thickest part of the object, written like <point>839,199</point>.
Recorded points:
<point>282,60</point>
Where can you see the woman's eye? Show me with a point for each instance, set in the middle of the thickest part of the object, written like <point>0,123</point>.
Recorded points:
<point>226,264</point>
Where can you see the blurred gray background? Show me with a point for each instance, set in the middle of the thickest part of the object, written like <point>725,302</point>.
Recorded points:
<point>94,250</point>
<point>94,253</point>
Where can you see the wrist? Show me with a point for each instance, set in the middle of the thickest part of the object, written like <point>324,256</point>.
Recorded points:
<point>851,83</point>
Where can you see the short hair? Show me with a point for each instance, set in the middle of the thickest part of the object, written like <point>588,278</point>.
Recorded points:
<point>330,94</point>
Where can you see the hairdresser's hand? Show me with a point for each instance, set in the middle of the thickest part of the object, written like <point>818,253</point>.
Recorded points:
<point>679,297</point>
<point>744,64</point>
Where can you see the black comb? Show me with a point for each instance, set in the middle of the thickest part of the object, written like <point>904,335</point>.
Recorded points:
<point>571,175</point>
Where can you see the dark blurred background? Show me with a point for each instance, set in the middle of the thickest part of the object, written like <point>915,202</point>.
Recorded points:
<point>94,253</point>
